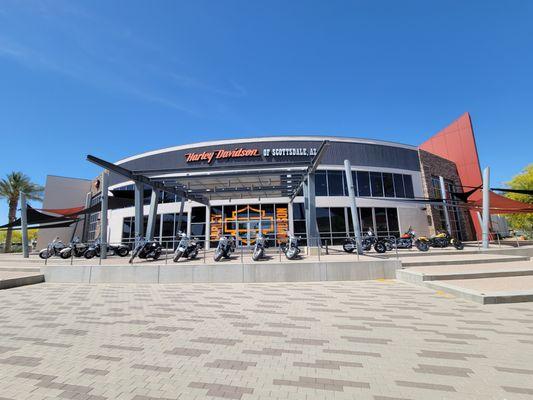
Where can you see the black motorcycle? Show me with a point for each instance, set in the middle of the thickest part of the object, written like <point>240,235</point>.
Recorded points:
<point>146,249</point>
<point>75,248</point>
<point>112,250</point>
<point>367,241</point>
<point>226,246</point>
<point>405,241</point>
<point>441,240</point>
<point>187,248</point>
<point>259,248</point>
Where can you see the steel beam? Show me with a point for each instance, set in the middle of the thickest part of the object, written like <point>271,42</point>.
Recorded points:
<point>312,168</point>
<point>145,180</point>
<point>353,205</point>
<point>445,207</point>
<point>103,214</point>
<point>24,225</point>
<point>152,215</point>
<point>486,208</point>
<point>139,214</point>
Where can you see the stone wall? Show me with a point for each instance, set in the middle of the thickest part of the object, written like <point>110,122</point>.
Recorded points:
<point>432,165</point>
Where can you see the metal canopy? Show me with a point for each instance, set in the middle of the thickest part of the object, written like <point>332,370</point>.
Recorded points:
<point>225,185</point>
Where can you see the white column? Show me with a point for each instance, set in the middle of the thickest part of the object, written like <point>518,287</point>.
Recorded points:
<point>152,215</point>
<point>103,215</point>
<point>24,225</point>
<point>353,204</point>
<point>445,208</point>
<point>486,208</point>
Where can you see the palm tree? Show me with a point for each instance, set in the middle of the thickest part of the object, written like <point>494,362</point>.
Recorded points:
<point>11,187</point>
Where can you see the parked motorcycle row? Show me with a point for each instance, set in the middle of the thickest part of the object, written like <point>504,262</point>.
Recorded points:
<point>78,249</point>
<point>405,241</point>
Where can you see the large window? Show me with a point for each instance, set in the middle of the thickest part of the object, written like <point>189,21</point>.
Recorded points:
<point>366,184</point>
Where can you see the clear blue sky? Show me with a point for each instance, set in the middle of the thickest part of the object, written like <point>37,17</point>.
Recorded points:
<point>115,78</point>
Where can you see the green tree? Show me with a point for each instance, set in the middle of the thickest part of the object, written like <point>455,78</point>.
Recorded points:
<point>523,181</point>
<point>11,187</point>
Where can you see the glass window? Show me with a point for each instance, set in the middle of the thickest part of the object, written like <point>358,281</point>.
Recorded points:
<point>376,184</point>
<point>381,221</point>
<point>366,219</point>
<point>198,230</point>
<point>338,222</point>
<point>388,185</point>
<point>398,185</point>
<point>335,186</point>
<point>321,183</point>
<point>298,211</point>
<point>408,184</point>
<point>168,226</point>
<point>392,218</point>
<point>363,183</point>
<point>197,214</point>
<point>322,219</point>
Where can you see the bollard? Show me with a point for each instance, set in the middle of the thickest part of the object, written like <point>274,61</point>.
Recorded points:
<point>166,254</point>
<point>327,248</point>
<point>498,237</point>
<point>517,242</point>
<point>205,249</point>
<point>319,248</point>
<point>242,253</point>
<point>279,251</point>
<point>396,246</point>
<point>71,256</point>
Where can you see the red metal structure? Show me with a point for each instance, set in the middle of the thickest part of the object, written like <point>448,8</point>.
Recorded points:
<point>457,143</point>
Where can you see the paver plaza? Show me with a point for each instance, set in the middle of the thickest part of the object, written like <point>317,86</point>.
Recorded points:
<point>352,340</point>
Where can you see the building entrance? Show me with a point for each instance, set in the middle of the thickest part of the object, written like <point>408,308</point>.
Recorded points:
<point>244,222</point>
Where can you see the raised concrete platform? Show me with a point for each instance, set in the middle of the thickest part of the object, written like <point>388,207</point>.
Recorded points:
<point>12,279</point>
<point>224,272</point>
<point>462,259</point>
<point>515,289</point>
<point>469,271</point>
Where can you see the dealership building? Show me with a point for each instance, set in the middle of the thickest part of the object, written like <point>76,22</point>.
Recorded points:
<point>243,186</point>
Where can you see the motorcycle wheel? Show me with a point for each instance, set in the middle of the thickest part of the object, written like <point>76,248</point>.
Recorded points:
<point>193,255</point>
<point>422,246</point>
<point>348,247</point>
<point>217,256</point>
<point>65,255</point>
<point>458,244</point>
<point>367,247</point>
<point>123,251</point>
<point>291,254</point>
<point>157,254</point>
<point>44,254</point>
<point>257,255</point>
<point>177,256</point>
<point>380,247</point>
<point>388,245</point>
<point>89,254</point>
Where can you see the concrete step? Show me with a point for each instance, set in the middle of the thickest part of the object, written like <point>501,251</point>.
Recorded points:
<point>19,269</point>
<point>462,259</point>
<point>469,271</point>
<point>11,279</point>
<point>513,289</point>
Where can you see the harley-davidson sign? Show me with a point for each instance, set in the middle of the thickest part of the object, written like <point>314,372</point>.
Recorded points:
<point>219,154</point>
<point>209,156</point>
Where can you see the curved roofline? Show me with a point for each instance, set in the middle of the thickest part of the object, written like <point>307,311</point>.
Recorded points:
<point>266,139</point>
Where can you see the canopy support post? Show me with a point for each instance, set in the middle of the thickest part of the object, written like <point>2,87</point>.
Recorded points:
<point>353,205</point>
<point>24,225</point>
<point>103,217</point>
<point>152,215</point>
<point>139,222</point>
<point>486,208</point>
<point>444,206</point>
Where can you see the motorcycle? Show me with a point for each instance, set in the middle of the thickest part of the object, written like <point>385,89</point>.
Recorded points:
<point>94,250</point>
<point>226,245</point>
<point>441,240</point>
<point>367,241</point>
<point>75,248</point>
<point>291,248</point>
<point>405,241</point>
<point>53,249</point>
<point>259,248</point>
<point>146,249</point>
<point>187,248</point>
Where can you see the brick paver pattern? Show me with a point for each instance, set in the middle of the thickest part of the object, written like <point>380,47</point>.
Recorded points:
<point>331,340</point>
